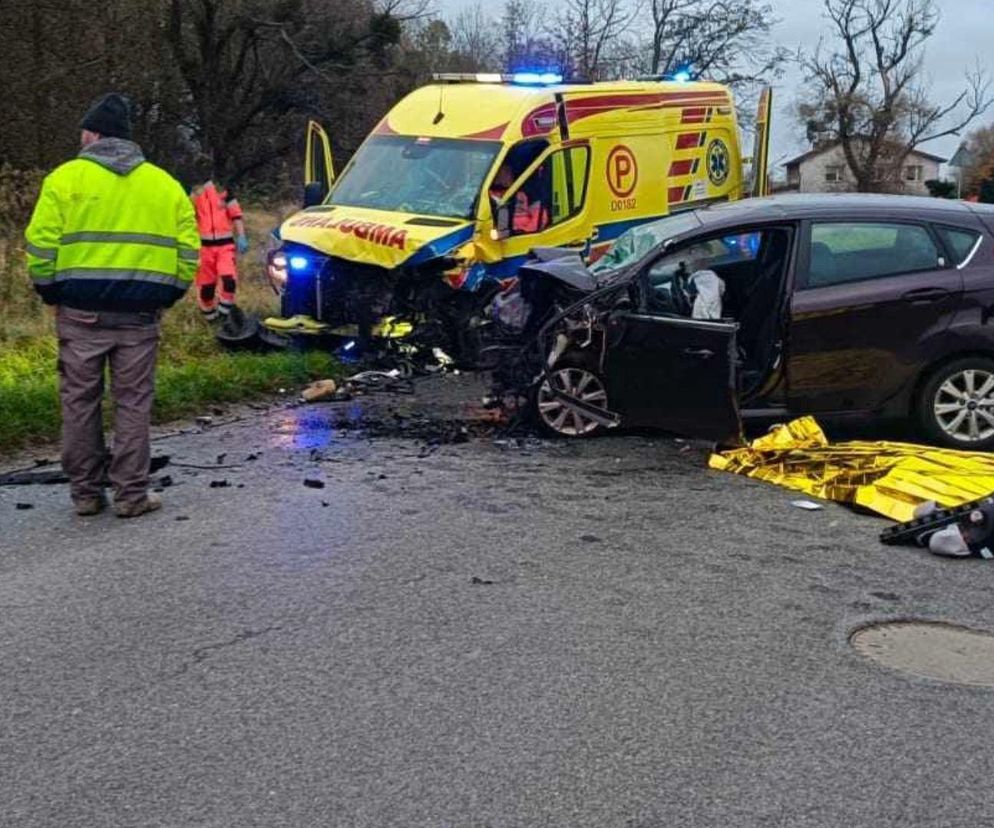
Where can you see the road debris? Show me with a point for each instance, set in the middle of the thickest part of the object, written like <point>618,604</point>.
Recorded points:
<point>23,506</point>
<point>311,483</point>
<point>220,484</point>
<point>319,390</point>
<point>807,505</point>
<point>476,581</point>
<point>891,479</point>
<point>49,477</point>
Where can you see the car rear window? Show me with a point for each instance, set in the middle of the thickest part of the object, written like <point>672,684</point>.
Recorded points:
<point>959,241</point>
<point>855,251</point>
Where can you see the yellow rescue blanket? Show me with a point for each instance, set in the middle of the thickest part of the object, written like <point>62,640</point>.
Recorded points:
<point>888,478</point>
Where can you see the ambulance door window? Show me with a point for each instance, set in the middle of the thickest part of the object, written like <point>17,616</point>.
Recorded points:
<point>553,193</point>
<point>569,182</point>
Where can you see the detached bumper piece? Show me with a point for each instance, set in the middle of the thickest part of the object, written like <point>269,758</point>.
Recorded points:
<point>891,479</point>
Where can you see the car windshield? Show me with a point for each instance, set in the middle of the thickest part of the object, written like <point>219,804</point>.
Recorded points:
<point>404,174</point>
<point>632,245</point>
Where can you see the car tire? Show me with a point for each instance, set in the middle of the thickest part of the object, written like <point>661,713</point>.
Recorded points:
<point>956,404</point>
<point>577,374</point>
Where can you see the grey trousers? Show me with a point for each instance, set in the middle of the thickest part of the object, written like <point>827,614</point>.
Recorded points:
<point>88,343</point>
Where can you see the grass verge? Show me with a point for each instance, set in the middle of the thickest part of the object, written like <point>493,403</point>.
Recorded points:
<point>193,371</point>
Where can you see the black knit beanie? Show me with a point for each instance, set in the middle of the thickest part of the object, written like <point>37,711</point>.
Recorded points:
<point>110,116</point>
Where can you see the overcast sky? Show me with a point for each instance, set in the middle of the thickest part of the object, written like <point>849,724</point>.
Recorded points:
<point>965,33</point>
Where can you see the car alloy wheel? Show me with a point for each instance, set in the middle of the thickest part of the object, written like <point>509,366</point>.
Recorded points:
<point>576,382</point>
<point>963,405</point>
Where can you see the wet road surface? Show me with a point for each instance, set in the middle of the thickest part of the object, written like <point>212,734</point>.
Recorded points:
<point>458,631</point>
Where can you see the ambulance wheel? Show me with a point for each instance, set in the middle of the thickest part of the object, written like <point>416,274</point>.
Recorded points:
<point>578,376</point>
<point>956,404</point>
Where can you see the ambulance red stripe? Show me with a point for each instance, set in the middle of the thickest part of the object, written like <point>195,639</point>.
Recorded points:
<point>690,140</point>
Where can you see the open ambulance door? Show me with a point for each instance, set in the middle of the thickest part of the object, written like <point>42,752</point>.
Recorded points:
<point>761,147</point>
<point>319,169</point>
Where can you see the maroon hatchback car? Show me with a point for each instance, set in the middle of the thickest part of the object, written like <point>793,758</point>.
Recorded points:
<point>863,306</point>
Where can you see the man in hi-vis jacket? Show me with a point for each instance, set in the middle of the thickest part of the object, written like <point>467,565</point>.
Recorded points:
<point>112,242</point>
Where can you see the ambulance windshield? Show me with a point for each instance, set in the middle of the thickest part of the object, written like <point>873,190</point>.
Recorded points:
<point>427,176</point>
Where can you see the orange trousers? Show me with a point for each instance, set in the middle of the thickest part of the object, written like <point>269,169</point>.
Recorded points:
<point>217,264</point>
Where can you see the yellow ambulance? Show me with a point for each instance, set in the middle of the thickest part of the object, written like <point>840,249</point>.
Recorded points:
<point>464,177</point>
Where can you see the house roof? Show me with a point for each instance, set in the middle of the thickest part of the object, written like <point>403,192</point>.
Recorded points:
<point>800,159</point>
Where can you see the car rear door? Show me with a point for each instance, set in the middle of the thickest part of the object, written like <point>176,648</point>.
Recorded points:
<point>869,296</point>
<point>675,373</point>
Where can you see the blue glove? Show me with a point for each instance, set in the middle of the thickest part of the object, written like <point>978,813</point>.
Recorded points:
<point>242,244</point>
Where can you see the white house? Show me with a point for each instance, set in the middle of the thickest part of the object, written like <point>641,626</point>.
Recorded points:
<point>825,170</point>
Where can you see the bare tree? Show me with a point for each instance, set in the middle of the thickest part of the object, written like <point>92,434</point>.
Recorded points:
<point>588,31</point>
<point>525,41</point>
<point>865,89</point>
<point>475,35</point>
<point>716,39</point>
<point>249,63</point>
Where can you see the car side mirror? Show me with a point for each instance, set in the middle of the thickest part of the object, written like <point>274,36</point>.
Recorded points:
<point>502,219</point>
<point>314,194</point>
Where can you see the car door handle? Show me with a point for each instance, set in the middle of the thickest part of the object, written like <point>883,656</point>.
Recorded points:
<point>700,353</point>
<point>925,295</point>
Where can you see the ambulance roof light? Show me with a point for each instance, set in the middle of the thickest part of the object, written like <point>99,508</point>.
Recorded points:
<point>536,78</point>
<point>682,76</point>
<point>519,78</point>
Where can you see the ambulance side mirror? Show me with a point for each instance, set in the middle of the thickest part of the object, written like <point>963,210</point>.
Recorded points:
<point>314,193</point>
<point>502,218</point>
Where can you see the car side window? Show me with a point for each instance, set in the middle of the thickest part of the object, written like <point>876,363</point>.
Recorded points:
<point>669,281</point>
<point>959,242</point>
<point>842,252</point>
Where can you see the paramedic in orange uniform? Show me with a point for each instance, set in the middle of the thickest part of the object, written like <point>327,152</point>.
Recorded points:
<point>528,216</point>
<point>222,230</point>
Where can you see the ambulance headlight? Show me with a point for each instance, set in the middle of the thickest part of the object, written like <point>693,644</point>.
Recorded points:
<point>276,270</point>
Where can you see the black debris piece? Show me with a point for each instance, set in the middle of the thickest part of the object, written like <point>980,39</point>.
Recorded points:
<point>220,458</point>
<point>313,484</point>
<point>220,484</point>
<point>325,503</point>
<point>49,477</point>
<point>381,477</point>
<point>165,481</point>
<point>480,581</point>
<point>182,517</point>
<point>23,506</point>
<point>251,457</point>
<point>590,538</point>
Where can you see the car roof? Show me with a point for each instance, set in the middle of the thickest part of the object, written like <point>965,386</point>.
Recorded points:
<point>842,205</point>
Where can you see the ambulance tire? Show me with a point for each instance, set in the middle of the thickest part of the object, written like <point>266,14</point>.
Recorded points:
<point>949,414</point>
<point>577,374</point>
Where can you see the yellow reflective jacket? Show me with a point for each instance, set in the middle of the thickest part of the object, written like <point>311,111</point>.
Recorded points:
<point>112,232</point>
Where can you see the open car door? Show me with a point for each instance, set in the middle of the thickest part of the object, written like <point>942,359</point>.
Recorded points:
<point>676,374</point>
<point>319,169</point>
<point>761,147</point>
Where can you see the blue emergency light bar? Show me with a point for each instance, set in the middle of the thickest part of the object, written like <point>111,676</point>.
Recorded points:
<point>299,262</point>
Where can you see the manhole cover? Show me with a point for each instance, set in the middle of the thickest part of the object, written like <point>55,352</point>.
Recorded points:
<point>944,652</point>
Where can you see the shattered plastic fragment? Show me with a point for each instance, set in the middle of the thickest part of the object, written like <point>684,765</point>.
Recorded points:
<point>808,505</point>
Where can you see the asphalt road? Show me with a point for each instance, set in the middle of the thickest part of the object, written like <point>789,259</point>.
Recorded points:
<point>470,633</point>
